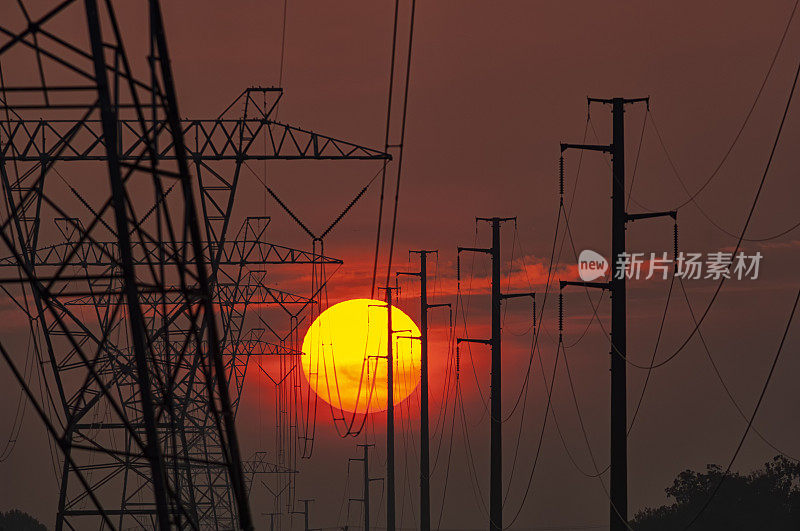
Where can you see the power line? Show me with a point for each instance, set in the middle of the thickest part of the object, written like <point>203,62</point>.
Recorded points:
<point>700,209</point>
<point>655,351</point>
<point>539,444</point>
<point>386,147</point>
<point>749,217</point>
<point>402,139</point>
<point>691,197</point>
<point>552,262</point>
<point>746,224</point>
<point>752,417</point>
<point>400,146</point>
<point>722,380</point>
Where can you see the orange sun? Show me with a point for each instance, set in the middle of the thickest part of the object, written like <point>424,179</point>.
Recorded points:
<point>345,355</point>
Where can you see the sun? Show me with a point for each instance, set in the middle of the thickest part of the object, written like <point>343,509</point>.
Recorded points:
<point>345,350</point>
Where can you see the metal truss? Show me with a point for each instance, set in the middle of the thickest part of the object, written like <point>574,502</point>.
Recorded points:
<point>206,140</point>
<point>135,296</point>
<point>121,420</point>
<point>258,464</point>
<point>239,252</point>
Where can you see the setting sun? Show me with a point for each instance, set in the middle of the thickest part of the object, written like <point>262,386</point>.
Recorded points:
<point>345,355</point>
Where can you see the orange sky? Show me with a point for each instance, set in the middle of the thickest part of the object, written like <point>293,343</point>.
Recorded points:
<point>495,88</point>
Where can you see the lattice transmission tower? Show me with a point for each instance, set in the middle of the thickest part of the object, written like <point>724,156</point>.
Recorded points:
<point>117,253</point>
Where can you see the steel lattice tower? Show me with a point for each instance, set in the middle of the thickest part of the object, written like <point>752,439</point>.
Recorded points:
<point>133,289</point>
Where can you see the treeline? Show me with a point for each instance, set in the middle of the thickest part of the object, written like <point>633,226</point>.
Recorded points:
<point>766,499</point>
<point>16,520</point>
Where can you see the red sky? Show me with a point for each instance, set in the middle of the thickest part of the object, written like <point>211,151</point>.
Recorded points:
<point>495,87</point>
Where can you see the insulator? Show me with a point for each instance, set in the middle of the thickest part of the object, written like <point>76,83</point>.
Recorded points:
<point>458,361</point>
<point>458,268</point>
<point>560,312</point>
<point>534,314</point>
<point>675,241</point>
<point>561,176</point>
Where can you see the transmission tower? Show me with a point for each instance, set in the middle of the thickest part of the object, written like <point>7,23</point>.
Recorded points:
<point>120,278</point>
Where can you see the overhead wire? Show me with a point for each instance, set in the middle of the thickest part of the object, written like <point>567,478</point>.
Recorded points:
<point>747,222</point>
<point>537,454</point>
<point>522,396</point>
<point>453,361</point>
<point>563,439</point>
<point>598,473</point>
<point>386,147</point>
<point>653,357</point>
<point>551,265</point>
<point>752,418</point>
<point>636,160</point>
<point>464,313</point>
<point>19,411</point>
<point>447,473</point>
<point>749,218</point>
<point>723,278</point>
<point>700,209</point>
<point>36,332</point>
<point>440,425</point>
<point>349,431</point>
<point>717,373</point>
<point>471,469</point>
<point>719,286</point>
<point>748,115</point>
<point>629,198</point>
<point>535,342</point>
<point>402,139</point>
<point>383,169</point>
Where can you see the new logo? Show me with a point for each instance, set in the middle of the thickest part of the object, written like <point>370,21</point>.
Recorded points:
<point>591,265</point>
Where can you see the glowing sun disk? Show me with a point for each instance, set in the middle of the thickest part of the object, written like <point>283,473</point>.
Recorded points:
<point>345,355</point>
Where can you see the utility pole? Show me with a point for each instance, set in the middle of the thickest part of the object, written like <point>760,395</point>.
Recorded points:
<point>304,512</point>
<point>390,495</point>
<point>366,487</point>
<point>496,442</point>
<point>619,219</point>
<point>365,496</point>
<point>271,520</point>
<point>424,457</point>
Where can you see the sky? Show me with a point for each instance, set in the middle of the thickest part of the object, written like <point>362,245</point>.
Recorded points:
<point>494,88</point>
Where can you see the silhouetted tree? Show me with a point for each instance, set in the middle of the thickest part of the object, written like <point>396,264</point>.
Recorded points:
<point>16,520</point>
<point>766,499</point>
